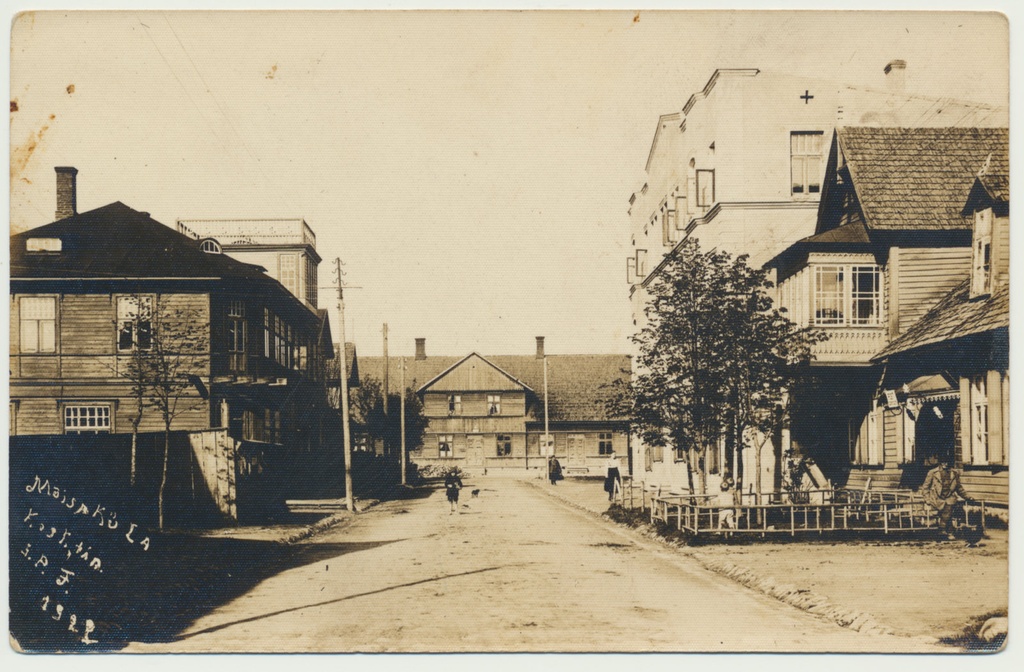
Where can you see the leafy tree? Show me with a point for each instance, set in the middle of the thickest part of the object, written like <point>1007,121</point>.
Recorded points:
<point>366,404</point>
<point>715,359</point>
<point>168,348</point>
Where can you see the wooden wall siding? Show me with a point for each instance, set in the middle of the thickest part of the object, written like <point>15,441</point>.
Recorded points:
<point>44,415</point>
<point>890,435</point>
<point>37,416</point>
<point>925,276</point>
<point>475,374</point>
<point>987,484</point>
<point>1001,248</point>
<point>492,425</point>
<point>474,405</point>
<point>87,324</point>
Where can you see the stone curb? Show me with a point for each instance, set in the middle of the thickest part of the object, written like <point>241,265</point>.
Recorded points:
<point>325,524</point>
<point>802,599</point>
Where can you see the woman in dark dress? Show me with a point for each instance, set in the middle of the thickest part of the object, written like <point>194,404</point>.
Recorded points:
<point>554,470</point>
<point>452,485</point>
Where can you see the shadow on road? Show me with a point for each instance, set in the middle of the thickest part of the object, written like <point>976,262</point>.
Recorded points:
<point>152,597</point>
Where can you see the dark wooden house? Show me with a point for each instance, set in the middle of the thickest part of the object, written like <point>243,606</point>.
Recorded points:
<point>891,242</point>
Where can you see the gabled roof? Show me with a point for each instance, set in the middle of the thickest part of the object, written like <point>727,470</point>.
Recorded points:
<point>463,375</point>
<point>955,316</point>
<point>579,386</point>
<point>989,190</point>
<point>917,178</point>
<point>115,241</point>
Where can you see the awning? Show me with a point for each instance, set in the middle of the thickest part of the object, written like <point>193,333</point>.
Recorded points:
<point>934,387</point>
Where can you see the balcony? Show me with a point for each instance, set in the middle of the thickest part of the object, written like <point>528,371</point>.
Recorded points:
<point>272,232</point>
<point>849,345</point>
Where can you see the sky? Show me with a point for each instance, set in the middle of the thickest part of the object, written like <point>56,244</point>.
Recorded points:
<point>472,170</point>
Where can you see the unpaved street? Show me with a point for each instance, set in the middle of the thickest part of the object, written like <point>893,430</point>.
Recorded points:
<point>515,571</point>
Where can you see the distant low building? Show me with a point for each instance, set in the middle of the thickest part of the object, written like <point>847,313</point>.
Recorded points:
<point>487,413</point>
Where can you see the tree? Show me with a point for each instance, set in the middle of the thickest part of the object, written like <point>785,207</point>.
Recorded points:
<point>715,358</point>
<point>367,405</point>
<point>166,355</point>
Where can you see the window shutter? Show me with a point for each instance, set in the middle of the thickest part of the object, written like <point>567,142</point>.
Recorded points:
<point>909,439</point>
<point>995,418</point>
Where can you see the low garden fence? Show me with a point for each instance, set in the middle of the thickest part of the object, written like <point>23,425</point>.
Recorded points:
<point>815,511</point>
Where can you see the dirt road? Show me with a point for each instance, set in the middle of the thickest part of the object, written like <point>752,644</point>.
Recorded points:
<point>515,570</point>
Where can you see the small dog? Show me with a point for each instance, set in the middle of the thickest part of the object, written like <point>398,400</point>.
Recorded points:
<point>475,493</point>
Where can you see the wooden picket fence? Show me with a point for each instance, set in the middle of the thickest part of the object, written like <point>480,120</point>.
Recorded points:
<point>809,512</point>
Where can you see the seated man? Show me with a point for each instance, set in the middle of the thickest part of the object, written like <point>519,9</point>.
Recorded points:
<point>941,490</point>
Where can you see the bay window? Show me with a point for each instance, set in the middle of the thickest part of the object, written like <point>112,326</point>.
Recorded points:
<point>847,295</point>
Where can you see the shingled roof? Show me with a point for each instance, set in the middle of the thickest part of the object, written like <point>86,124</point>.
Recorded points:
<point>919,178</point>
<point>115,241</point>
<point>955,316</point>
<point>578,385</point>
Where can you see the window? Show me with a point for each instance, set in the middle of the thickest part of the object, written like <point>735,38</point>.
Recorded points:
<point>262,426</point>
<point>87,418</point>
<point>981,275</point>
<point>311,293</point>
<point>289,266</point>
<point>38,324</point>
<point>670,233</point>
<point>134,323</point>
<point>210,246</point>
<point>455,404</point>
<point>805,162</point>
<point>236,336</point>
<point>979,420</point>
<point>705,188</point>
<point>641,264</point>
<point>604,443</point>
<point>493,404</point>
<point>504,445</point>
<point>847,295</point>
<point>444,445</point>
<point>43,245</point>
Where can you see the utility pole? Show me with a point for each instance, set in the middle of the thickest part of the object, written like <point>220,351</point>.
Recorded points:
<point>401,397</point>
<point>350,501</point>
<point>386,386</point>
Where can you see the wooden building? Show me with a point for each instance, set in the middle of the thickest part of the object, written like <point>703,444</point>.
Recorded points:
<point>740,167</point>
<point>949,373</point>
<point>93,290</point>
<point>891,243</point>
<point>487,413</point>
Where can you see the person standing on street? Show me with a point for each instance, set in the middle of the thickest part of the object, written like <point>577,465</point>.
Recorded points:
<point>941,490</point>
<point>612,478</point>
<point>452,485</point>
<point>554,470</point>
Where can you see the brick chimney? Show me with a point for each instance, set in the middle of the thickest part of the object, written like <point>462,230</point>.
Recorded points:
<point>421,348</point>
<point>67,201</point>
<point>895,76</point>
<point>540,347</point>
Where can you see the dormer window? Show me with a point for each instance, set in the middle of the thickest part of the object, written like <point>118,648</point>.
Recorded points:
<point>43,245</point>
<point>981,272</point>
<point>210,246</point>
